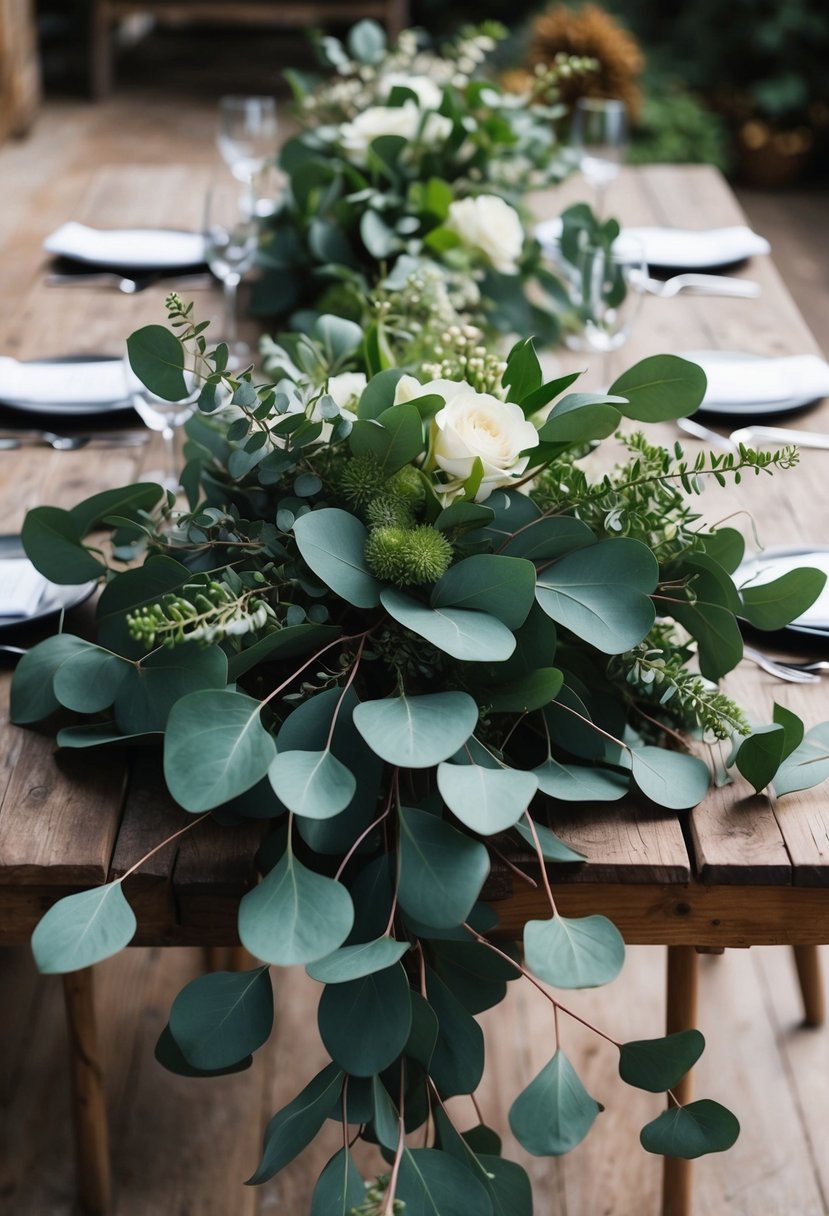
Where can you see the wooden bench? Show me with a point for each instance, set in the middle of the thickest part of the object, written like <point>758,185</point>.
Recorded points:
<point>104,16</point>
<point>735,872</point>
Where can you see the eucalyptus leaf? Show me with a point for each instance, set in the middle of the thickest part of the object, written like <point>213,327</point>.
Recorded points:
<point>170,1056</point>
<point>355,962</point>
<point>552,848</point>
<point>658,1064</point>
<point>221,1018</point>
<point>760,754</point>
<point>691,1131</point>
<point>294,1127</point>
<point>463,634</point>
<point>89,680</point>
<point>501,586</point>
<point>417,732</point>
<point>32,692</point>
<point>157,358</point>
<point>394,439</point>
<point>555,1112</point>
<point>602,593</point>
<point>547,539</point>
<point>314,784</point>
<point>333,543</point>
<point>457,1062</point>
<point>215,748</point>
<point>793,728</point>
<point>442,870</point>
<point>432,1183</point>
<point>365,1022</point>
<point>148,691</point>
<point>83,929</point>
<point>775,604</point>
<point>53,545</point>
<point>661,389</point>
<point>295,915</point>
<point>339,1189</point>
<point>670,779</point>
<point>808,764</point>
<point>532,691</point>
<point>288,643</point>
<point>580,782</point>
<point>584,952</point>
<point>486,800</point>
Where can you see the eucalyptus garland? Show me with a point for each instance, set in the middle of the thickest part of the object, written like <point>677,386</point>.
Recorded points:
<point>398,622</point>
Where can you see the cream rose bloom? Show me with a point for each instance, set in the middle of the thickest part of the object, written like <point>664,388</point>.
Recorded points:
<point>404,120</point>
<point>346,389</point>
<point>429,94</point>
<point>472,426</point>
<point>489,225</point>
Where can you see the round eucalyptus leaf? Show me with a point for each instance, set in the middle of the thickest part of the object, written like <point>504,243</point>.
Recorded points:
<point>580,952</point>
<point>459,632</point>
<point>52,540</point>
<point>442,870</point>
<point>671,779</point>
<point>90,680</point>
<point>657,1064</point>
<point>294,915</point>
<point>691,1131</point>
<point>314,784</point>
<point>508,1185</point>
<point>384,1117</point>
<point>215,748</point>
<point>365,1023</point>
<point>170,1056</point>
<point>152,687</point>
<point>417,732</point>
<point>339,1189</point>
<point>220,1018</point>
<point>355,962</point>
<point>552,848</point>
<point>423,1036</point>
<point>555,1112</point>
<point>486,800</point>
<point>433,1182</point>
<point>32,693</point>
<point>602,593</point>
<point>83,929</point>
<point>580,782</point>
<point>501,586</point>
<point>457,1062</point>
<point>333,544</point>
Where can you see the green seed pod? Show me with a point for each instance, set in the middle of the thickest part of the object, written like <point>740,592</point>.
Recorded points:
<point>408,556</point>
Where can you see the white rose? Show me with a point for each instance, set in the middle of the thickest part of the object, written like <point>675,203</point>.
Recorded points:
<point>489,225</point>
<point>429,94</point>
<point>346,389</point>
<point>404,120</point>
<point>472,426</point>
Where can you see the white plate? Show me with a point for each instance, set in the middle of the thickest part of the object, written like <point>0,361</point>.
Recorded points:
<point>56,599</point>
<point>79,408</point>
<point>773,563</point>
<point>745,409</point>
<point>681,248</point>
<point>127,248</point>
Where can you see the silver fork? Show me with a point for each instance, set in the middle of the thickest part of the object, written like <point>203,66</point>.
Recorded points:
<point>793,673</point>
<point>750,436</point>
<point>702,284</point>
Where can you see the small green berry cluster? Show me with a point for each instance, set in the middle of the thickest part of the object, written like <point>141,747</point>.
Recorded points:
<point>203,612</point>
<point>462,356</point>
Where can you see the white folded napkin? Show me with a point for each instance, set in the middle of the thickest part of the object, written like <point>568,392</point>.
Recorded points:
<point>737,380</point>
<point>130,248</point>
<point>681,248</point>
<point>98,382</point>
<point>759,570</point>
<point>21,587</point>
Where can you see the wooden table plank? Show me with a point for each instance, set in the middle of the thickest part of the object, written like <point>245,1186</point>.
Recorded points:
<point>624,842</point>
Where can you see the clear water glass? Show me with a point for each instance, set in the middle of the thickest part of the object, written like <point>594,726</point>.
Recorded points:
<point>247,135</point>
<point>599,135</point>
<point>605,285</point>
<point>231,232</point>
<point>165,417</point>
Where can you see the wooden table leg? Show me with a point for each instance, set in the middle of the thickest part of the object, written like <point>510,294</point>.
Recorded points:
<point>683,973</point>
<point>807,961</point>
<point>89,1116</point>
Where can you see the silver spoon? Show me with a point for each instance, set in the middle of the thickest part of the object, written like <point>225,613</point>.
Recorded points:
<point>71,443</point>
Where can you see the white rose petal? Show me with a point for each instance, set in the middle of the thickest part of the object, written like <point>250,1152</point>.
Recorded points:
<point>346,389</point>
<point>404,120</point>
<point>429,94</point>
<point>474,426</point>
<point>489,225</point>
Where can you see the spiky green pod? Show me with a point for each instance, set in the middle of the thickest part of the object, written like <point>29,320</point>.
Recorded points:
<point>407,485</point>
<point>408,557</point>
<point>361,479</point>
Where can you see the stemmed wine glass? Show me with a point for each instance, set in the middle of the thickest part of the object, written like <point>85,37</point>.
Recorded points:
<point>605,284</point>
<point>599,133</point>
<point>230,237</point>
<point>163,416</point>
<point>247,138</point>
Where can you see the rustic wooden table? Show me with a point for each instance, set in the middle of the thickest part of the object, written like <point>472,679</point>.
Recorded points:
<point>738,870</point>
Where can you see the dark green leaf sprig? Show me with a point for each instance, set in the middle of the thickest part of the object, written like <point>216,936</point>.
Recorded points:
<point>394,664</point>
